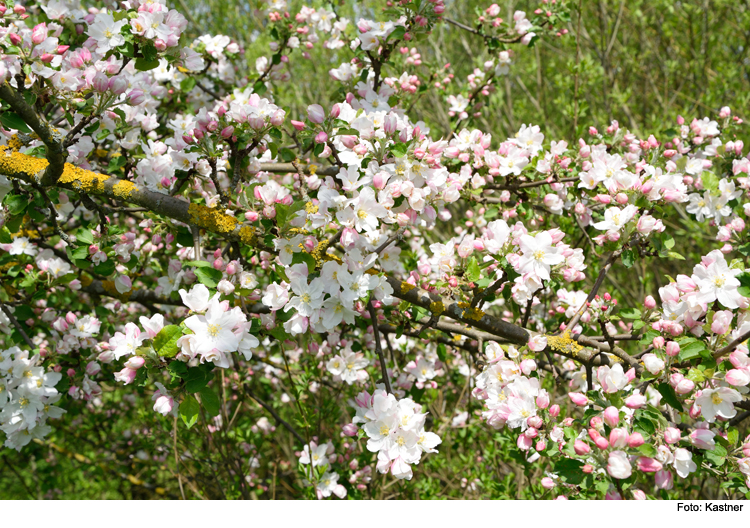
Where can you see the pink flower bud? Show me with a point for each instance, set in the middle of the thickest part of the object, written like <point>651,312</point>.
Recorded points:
<point>135,362</point>
<point>649,303</point>
<point>636,440</point>
<point>578,398</point>
<point>673,348</point>
<point>618,438</point>
<point>39,33</point>
<point>554,410</point>
<point>581,448</point>
<point>299,125</point>
<point>658,342</point>
<point>321,137</point>
<point>227,132</point>
<point>636,401</point>
<point>672,435</point>
<point>118,85</point>
<point>685,386</point>
<point>663,479</point>
<point>611,416</point>
<point>648,465</point>
<point>350,429</point>
<point>542,401</point>
<point>316,114</point>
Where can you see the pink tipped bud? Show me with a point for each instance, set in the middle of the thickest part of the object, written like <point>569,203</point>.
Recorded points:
<point>673,348</point>
<point>316,114</point>
<point>321,137</point>
<point>672,435</point>
<point>227,132</point>
<point>554,411</point>
<point>578,398</point>
<point>636,440</point>
<point>649,303</point>
<point>350,429</point>
<point>611,416</point>
<point>581,448</point>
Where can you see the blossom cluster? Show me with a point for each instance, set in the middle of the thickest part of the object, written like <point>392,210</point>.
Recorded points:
<point>395,430</point>
<point>27,397</point>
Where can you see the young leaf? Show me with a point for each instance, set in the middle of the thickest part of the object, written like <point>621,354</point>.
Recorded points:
<point>165,342</point>
<point>189,411</point>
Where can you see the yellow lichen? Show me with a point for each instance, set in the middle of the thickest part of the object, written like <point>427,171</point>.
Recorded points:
<point>437,307</point>
<point>14,163</point>
<point>15,143</point>
<point>247,235</point>
<point>86,280</point>
<point>211,219</point>
<point>564,344</point>
<point>406,287</point>
<point>473,313</point>
<point>123,189</point>
<point>312,169</point>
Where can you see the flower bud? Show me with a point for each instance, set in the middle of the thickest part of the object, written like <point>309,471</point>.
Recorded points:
<point>316,114</point>
<point>635,440</point>
<point>581,448</point>
<point>611,416</point>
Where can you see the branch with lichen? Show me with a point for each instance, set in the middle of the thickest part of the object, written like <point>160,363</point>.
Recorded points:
<point>52,140</point>
<point>24,167</point>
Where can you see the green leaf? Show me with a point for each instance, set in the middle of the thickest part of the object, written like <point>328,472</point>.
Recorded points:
<point>13,120</point>
<point>628,258</point>
<point>208,276</point>
<point>716,456</point>
<point>142,64</point>
<point>645,426</point>
<point>16,203</point>
<point>569,470</point>
<point>198,377</point>
<point>5,237</point>
<point>397,34</point>
<point>284,213</point>
<point>399,150</point>
<point>105,268</point>
<point>472,272</point>
<point>287,155</point>
<point>710,180</point>
<point>210,401</point>
<point>301,257</point>
<point>648,450</point>
<point>669,395</point>
<point>165,342</point>
<point>197,264</point>
<point>85,237</point>
<point>732,436</point>
<point>630,313</point>
<point>187,84</point>
<point>189,411</point>
<point>178,368</point>
<point>744,288</point>
<point>691,350</point>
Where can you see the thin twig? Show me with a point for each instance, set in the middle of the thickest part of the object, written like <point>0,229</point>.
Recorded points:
<point>276,416</point>
<point>378,348</point>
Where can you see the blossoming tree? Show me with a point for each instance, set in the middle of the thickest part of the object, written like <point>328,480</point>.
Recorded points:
<point>210,295</point>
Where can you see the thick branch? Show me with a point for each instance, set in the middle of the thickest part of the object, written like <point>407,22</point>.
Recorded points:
<point>55,153</point>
